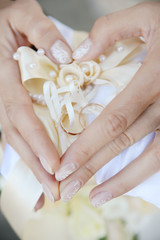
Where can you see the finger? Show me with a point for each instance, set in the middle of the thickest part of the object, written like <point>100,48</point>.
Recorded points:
<point>12,136</point>
<point>18,107</point>
<point>133,134</point>
<point>111,28</point>
<point>113,121</point>
<point>49,184</point>
<point>40,30</point>
<point>40,203</point>
<point>135,173</point>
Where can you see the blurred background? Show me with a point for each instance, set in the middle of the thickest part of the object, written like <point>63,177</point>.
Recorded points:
<point>80,15</point>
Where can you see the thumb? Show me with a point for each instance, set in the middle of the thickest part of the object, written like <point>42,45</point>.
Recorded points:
<point>109,29</point>
<point>27,18</point>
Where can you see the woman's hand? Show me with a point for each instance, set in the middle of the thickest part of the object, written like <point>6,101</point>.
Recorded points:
<point>134,113</point>
<point>23,23</point>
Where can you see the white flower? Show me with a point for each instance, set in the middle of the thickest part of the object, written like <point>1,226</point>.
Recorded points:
<point>49,223</point>
<point>117,231</point>
<point>84,73</point>
<point>69,73</point>
<point>118,208</point>
<point>85,222</point>
<point>91,71</point>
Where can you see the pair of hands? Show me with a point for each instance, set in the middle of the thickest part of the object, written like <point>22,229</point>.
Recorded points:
<point>129,117</point>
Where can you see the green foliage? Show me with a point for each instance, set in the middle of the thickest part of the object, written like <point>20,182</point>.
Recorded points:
<point>135,237</point>
<point>104,238</point>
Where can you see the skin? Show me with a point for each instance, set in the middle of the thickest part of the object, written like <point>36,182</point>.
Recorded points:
<point>24,23</point>
<point>133,114</point>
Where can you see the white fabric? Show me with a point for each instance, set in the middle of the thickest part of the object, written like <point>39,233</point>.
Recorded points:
<point>147,190</point>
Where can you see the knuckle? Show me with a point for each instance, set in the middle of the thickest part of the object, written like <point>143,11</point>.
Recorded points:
<point>108,19</point>
<point>104,21</point>
<point>10,111</point>
<point>13,109</point>
<point>37,132</point>
<point>124,140</point>
<point>155,108</point>
<point>84,149</point>
<point>100,21</point>
<point>88,170</point>
<point>84,152</point>
<point>114,125</point>
<point>9,135</point>
<point>43,27</point>
<point>121,143</point>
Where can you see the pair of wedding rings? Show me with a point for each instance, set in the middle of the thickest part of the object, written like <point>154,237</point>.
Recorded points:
<point>83,126</point>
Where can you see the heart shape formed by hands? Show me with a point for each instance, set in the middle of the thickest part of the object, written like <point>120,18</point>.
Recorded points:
<point>61,93</point>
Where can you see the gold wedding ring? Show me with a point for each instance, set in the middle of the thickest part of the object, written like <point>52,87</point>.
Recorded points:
<point>88,106</point>
<point>67,130</point>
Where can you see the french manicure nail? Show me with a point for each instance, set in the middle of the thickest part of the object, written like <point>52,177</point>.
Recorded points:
<point>46,165</point>
<point>101,198</point>
<point>48,193</point>
<point>61,52</point>
<point>70,190</point>
<point>83,49</point>
<point>65,171</point>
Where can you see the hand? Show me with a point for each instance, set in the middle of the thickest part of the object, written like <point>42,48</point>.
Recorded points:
<point>133,114</point>
<point>23,23</point>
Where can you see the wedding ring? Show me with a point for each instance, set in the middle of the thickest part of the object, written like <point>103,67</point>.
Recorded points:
<point>89,106</point>
<point>63,127</point>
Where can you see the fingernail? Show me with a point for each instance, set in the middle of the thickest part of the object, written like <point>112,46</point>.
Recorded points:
<point>101,198</point>
<point>48,193</point>
<point>65,171</point>
<point>70,190</point>
<point>46,165</point>
<point>83,49</point>
<point>61,52</point>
